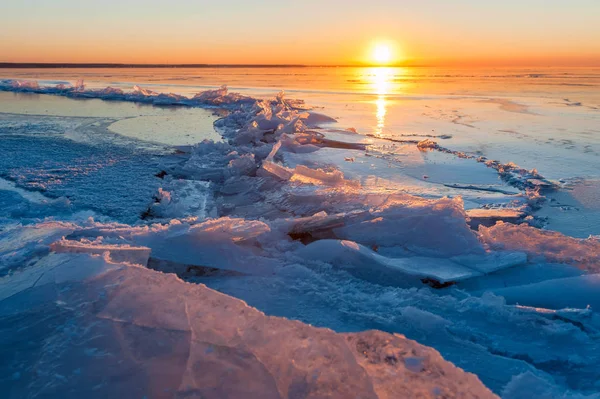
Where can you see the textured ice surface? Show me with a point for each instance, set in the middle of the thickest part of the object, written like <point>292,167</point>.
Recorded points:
<point>92,174</point>
<point>96,329</point>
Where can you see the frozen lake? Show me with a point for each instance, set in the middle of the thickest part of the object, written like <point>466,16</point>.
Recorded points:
<point>364,198</point>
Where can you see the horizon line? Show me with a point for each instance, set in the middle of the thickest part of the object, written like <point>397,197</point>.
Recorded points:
<point>83,65</point>
<point>184,65</point>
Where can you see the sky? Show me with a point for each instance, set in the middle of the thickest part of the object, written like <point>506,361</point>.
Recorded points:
<point>313,32</point>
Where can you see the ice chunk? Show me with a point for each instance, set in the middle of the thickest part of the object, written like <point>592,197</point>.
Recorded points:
<point>427,144</point>
<point>318,222</point>
<point>571,292</point>
<point>224,243</point>
<point>369,265</point>
<point>20,244</point>
<point>522,275</point>
<point>489,217</point>
<point>435,228</point>
<point>314,119</point>
<point>542,244</point>
<point>118,253</point>
<point>180,198</point>
<point>129,331</point>
<point>220,96</point>
<point>275,170</point>
<point>332,177</point>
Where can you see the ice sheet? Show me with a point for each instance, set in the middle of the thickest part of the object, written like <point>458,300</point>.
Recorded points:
<point>382,216</point>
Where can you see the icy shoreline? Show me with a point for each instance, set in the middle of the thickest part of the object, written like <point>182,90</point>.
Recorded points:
<point>264,213</point>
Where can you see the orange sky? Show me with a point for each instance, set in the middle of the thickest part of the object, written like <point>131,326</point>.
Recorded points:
<point>432,32</point>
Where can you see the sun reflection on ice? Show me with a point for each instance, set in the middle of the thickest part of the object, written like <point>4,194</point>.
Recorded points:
<point>384,82</point>
<point>381,111</point>
<point>381,80</point>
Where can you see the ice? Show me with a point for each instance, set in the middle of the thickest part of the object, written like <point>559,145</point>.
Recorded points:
<point>408,222</point>
<point>181,198</point>
<point>16,203</point>
<point>493,261</point>
<point>306,175</point>
<point>20,244</point>
<point>528,385</point>
<point>314,119</point>
<point>518,275</point>
<point>225,243</point>
<point>220,96</point>
<point>275,216</point>
<point>367,264</point>
<point>572,292</point>
<point>541,244</point>
<point>91,174</point>
<point>117,253</point>
<point>489,216</point>
<point>122,330</point>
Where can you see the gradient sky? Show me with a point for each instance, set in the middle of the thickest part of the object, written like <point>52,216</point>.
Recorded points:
<point>458,32</point>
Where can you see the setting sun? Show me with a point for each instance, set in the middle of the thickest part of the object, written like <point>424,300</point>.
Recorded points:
<point>382,54</point>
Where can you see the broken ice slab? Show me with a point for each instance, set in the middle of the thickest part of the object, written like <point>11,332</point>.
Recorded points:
<point>21,244</point>
<point>495,213</point>
<point>578,292</point>
<point>545,245</point>
<point>126,331</point>
<point>489,217</point>
<point>516,276</point>
<point>366,264</point>
<point>117,252</point>
<point>224,243</point>
<point>311,228</point>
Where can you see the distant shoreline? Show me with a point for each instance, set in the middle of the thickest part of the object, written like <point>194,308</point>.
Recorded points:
<point>42,65</point>
<point>108,65</point>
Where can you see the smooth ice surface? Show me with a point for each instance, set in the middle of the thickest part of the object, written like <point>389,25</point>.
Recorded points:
<point>364,262</point>
<point>440,215</point>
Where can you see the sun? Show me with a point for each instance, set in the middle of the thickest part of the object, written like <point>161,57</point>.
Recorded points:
<point>382,54</point>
